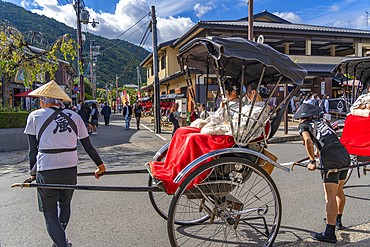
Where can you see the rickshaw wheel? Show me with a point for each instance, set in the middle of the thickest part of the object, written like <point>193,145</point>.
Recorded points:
<point>242,199</point>
<point>161,203</point>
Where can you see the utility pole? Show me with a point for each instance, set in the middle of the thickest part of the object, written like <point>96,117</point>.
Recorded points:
<point>80,59</point>
<point>250,20</point>
<point>138,79</point>
<point>157,115</point>
<point>92,70</point>
<point>116,89</point>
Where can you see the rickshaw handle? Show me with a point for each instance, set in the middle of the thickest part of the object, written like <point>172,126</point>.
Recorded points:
<point>347,168</point>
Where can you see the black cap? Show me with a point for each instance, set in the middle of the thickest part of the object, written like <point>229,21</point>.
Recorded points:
<point>307,110</point>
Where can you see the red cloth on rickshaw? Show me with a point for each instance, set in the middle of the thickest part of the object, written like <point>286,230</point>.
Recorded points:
<point>356,135</point>
<point>187,144</point>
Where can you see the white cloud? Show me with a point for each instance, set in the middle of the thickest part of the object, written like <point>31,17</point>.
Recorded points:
<point>201,10</point>
<point>357,22</point>
<point>111,25</point>
<point>289,16</point>
<point>171,27</point>
<point>335,7</point>
<point>244,2</point>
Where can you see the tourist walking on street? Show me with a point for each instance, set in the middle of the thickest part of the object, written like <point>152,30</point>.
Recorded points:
<point>78,107</point>
<point>52,133</point>
<point>114,108</point>
<point>137,111</point>
<point>175,117</point>
<point>127,113</point>
<point>333,155</point>
<point>94,119</point>
<point>106,111</point>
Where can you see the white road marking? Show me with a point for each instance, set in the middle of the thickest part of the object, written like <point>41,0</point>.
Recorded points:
<point>146,128</point>
<point>164,139</point>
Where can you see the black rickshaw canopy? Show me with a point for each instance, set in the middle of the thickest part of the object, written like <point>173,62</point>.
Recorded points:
<point>357,67</point>
<point>145,99</point>
<point>172,96</point>
<point>232,52</point>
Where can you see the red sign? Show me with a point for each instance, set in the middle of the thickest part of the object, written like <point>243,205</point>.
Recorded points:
<point>138,95</point>
<point>119,100</point>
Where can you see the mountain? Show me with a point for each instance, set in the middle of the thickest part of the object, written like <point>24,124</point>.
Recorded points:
<point>109,63</point>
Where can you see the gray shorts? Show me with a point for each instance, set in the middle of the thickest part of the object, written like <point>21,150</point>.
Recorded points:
<point>94,121</point>
<point>48,198</point>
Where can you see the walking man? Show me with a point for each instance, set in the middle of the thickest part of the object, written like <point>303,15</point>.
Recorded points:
<point>316,131</point>
<point>127,113</point>
<point>52,133</point>
<point>106,111</point>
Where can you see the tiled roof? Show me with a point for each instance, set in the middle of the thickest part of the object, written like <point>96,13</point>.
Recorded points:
<point>300,27</point>
<point>326,68</point>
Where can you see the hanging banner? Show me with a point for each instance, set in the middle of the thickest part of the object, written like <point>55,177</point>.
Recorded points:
<point>119,100</point>
<point>138,95</point>
<point>128,99</point>
<point>121,97</point>
<point>124,97</point>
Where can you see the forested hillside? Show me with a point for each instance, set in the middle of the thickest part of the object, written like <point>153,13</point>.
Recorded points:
<point>110,63</point>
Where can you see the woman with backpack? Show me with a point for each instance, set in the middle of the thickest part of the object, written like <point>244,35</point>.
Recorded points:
<point>175,117</point>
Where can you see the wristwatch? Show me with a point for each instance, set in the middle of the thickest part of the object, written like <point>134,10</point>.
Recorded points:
<point>312,161</point>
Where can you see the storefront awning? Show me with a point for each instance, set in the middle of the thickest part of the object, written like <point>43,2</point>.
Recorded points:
<point>24,94</point>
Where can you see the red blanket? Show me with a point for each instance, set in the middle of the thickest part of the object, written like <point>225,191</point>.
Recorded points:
<point>356,135</point>
<point>187,144</point>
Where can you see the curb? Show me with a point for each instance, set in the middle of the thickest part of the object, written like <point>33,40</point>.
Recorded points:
<point>14,160</point>
<point>285,139</point>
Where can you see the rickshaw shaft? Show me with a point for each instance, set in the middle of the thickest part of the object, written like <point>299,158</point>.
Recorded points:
<point>87,187</point>
<point>113,172</point>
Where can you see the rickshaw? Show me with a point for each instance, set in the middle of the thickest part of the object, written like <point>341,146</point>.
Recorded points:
<point>354,129</point>
<point>221,192</point>
<point>147,106</point>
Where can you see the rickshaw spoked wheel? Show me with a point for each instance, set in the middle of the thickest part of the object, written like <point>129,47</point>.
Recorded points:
<point>241,197</point>
<point>161,203</point>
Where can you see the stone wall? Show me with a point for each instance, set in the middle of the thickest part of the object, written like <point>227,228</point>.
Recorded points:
<point>13,139</point>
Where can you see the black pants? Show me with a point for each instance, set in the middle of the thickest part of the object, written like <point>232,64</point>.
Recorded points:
<point>106,120</point>
<point>137,122</point>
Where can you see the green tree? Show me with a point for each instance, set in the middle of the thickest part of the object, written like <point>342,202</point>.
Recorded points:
<point>17,54</point>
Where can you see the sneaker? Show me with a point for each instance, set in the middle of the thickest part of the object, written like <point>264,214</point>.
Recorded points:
<point>138,128</point>
<point>338,225</point>
<point>323,237</point>
<point>94,133</point>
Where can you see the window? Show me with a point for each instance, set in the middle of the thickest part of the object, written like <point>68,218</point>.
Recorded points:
<point>163,61</point>
<point>151,70</point>
<point>307,82</point>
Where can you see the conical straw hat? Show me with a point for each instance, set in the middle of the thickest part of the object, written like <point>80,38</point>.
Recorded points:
<point>51,90</point>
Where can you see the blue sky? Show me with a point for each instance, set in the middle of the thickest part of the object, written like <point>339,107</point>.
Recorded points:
<point>175,17</point>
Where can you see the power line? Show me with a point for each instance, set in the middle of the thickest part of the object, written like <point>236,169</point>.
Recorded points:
<point>142,42</point>
<point>146,15</point>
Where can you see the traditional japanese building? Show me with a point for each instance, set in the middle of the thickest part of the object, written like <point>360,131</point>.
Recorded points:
<point>316,48</point>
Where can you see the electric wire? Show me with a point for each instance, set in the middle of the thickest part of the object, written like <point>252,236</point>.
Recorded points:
<point>127,31</point>
<point>142,42</point>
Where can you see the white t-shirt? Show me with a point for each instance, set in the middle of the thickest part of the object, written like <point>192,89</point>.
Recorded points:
<point>58,135</point>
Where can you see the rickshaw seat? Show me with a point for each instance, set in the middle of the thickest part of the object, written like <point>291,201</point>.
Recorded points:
<point>187,145</point>
<point>356,135</point>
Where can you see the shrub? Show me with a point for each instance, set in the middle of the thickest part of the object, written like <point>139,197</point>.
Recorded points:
<point>13,119</point>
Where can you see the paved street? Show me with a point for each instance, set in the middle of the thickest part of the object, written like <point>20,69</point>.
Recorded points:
<point>128,219</point>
